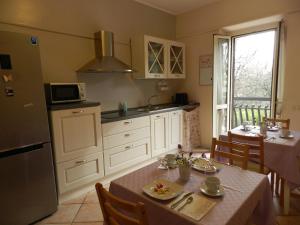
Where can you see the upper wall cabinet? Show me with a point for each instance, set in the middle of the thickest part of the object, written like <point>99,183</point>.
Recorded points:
<point>156,58</point>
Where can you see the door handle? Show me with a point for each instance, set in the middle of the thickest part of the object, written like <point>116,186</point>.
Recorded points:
<point>76,112</point>
<point>80,162</point>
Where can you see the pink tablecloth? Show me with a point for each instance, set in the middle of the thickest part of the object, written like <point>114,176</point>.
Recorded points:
<point>254,199</point>
<point>281,155</point>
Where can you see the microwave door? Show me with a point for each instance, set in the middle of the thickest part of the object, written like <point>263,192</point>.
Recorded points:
<point>65,93</point>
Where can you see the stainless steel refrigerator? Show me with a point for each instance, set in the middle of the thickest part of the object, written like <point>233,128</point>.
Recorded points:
<point>27,180</point>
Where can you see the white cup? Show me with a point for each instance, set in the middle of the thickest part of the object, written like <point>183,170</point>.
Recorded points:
<point>212,184</point>
<point>170,159</point>
<point>284,132</point>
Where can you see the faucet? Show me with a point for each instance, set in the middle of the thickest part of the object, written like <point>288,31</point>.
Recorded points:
<point>149,100</point>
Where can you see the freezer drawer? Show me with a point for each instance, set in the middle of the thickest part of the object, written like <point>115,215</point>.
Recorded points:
<point>27,190</point>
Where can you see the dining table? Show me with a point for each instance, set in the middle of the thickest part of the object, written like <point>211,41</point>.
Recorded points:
<point>247,196</point>
<point>281,154</point>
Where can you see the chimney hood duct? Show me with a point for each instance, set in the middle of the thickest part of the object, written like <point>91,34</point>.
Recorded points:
<point>105,62</point>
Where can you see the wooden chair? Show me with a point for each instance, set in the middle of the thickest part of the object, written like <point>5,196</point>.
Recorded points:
<point>117,211</point>
<point>256,150</point>
<point>285,122</point>
<point>238,152</point>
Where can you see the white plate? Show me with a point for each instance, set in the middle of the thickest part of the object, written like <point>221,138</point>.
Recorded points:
<point>273,129</point>
<point>174,190</point>
<point>219,193</point>
<point>290,136</point>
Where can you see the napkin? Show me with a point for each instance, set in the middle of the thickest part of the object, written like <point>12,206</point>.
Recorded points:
<point>197,209</point>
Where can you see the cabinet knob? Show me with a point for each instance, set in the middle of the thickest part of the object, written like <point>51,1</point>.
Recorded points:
<point>157,116</point>
<point>76,112</point>
<point>127,135</point>
<point>127,147</point>
<point>127,122</point>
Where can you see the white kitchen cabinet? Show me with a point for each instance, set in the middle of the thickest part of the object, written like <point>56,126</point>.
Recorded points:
<point>175,129</point>
<point>76,132</point>
<point>80,171</point>
<point>121,157</point>
<point>157,58</point>
<point>159,133</point>
<point>176,60</point>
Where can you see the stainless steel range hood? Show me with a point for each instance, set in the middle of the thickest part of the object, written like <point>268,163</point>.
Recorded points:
<point>105,62</point>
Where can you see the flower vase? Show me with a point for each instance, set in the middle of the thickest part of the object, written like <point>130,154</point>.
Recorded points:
<point>184,172</point>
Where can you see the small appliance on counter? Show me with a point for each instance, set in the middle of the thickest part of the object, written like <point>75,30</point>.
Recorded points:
<point>181,99</point>
<point>57,93</point>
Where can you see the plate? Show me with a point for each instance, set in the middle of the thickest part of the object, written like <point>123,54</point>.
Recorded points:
<point>174,189</point>
<point>290,136</point>
<point>202,165</point>
<point>273,129</point>
<point>219,193</point>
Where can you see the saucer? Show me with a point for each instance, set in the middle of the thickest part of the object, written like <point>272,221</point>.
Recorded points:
<point>290,136</point>
<point>219,193</point>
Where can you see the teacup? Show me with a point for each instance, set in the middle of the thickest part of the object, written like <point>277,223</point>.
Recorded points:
<point>284,132</point>
<point>212,184</point>
<point>171,160</point>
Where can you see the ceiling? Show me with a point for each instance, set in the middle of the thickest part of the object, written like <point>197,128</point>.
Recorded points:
<point>176,7</point>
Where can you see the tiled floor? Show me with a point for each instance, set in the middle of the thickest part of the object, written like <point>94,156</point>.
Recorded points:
<point>85,210</point>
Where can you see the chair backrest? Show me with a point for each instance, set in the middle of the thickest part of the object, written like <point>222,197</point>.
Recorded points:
<point>238,152</point>
<point>255,143</point>
<point>117,211</point>
<point>285,122</point>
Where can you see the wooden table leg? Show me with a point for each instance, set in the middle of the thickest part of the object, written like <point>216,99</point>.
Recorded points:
<point>286,204</point>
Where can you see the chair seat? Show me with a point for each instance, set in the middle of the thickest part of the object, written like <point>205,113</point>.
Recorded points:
<point>255,167</point>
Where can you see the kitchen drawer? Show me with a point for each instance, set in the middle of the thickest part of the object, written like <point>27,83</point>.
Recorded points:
<point>75,173</point>
<point>118,158</point>
<point>125,137</point>
<point>125,125</point>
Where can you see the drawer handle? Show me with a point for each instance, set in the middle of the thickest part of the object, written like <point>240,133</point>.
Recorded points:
<point>80,162</point>
<point>76,112</point>
<point>157,116</point>
<point>127,135</point>
<point>127,147</point>
<point>127,122</point>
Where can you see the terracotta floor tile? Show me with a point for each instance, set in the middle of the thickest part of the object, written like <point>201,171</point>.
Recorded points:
<point>89,213</point>
<point>77,200</point>
<point>91,197</point>
<point>65,214</point>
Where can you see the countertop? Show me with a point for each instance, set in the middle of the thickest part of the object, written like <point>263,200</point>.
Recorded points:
<point>72,105</point>
<point>112,116</point>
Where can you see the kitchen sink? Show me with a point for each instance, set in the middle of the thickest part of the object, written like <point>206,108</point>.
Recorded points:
<point>155,108</point>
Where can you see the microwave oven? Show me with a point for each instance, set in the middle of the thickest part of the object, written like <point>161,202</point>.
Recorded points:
<point>65,92</point>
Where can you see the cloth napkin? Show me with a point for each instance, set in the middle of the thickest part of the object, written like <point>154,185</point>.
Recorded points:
<point>197,209</point>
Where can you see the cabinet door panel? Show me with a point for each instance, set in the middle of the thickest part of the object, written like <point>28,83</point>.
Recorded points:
<point>76,132</point>
<point>175,125</point>
<point>155,57</point>
<point>159,133</point>
<point>125,137</point>
<point>176,60</point>
<point>121,157</point>
<point>79,172</point>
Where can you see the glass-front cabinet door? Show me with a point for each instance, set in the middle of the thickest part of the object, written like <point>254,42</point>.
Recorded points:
<point>176,60</point>
<point>155,57</point>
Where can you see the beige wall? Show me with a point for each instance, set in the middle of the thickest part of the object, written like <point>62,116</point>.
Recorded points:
<point>62,55</point>
<point>196,29</point>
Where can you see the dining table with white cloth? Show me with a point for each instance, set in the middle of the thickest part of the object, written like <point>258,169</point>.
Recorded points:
<point>280,155</point>
<point>247,196</point>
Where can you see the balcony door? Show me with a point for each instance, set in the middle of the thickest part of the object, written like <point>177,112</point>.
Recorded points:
<point>244,88</point>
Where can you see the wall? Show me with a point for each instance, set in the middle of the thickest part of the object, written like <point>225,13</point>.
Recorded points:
<point>62,55</point>
<point>196,29</point>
